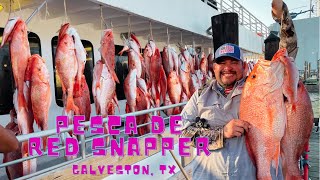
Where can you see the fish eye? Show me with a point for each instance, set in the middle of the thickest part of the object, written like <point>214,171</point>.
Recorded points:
<point>253,76</point>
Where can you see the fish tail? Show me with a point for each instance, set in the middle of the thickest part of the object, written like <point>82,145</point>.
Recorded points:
<point>176,111</point>
<point>44,142</point>
<point>21,101</point>
<point>276,159</point>
<point>71,106</point>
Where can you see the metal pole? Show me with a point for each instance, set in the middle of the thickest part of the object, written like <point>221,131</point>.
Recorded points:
<point>174,157</point>
<point>83,146</point>
<point>232,5</point>
<point>310,8</point>
<point>35,12</point>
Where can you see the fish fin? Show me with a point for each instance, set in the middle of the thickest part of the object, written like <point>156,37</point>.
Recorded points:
<point>115,99</point>
<point>125,48</point>
<point>113,74</point>
<point>115,77</point>
<point>276,159</point>
<point>21,101</point>
<point>135,39</point>
<point>127,108</point>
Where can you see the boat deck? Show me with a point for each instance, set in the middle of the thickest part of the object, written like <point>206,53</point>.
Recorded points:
<point>313,159</point>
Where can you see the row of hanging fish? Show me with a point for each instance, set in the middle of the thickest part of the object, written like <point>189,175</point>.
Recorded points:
<point>154,79</point>
<point>70,59</point>
<point>32,97</point>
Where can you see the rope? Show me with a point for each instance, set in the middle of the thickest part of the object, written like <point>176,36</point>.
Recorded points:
<point>19,5</point>
<point>47,12</point>
<point>181,37</point>
<point>10,9</point>
<point>65,11</point>
<point>193,43</point>
<point>150,27</point>
<point>129,26</point>
<point>168,36</point>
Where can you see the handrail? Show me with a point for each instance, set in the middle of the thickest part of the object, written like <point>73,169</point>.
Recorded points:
<point>246,18</point>
<point>26,137</point>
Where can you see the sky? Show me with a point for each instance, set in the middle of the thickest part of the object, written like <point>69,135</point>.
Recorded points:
<point>262,8</point>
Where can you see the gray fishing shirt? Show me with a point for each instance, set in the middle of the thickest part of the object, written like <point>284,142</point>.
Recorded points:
<point>229,158</point>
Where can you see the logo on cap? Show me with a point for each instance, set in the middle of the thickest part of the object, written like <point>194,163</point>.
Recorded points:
<point>226,49</point>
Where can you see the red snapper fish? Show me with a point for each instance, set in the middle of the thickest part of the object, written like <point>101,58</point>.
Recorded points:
<point>132,46</point>
<point>174,90</point>
<point>97,71</point>
<point>40,92</point>
<point>67,68</point>
<point>279,110</point>
<point>15,33</point>
<point>82,98</point>
<point>263,107</point>
<point>81,53</point>
<point>107,48</point>
<point>130,90</point>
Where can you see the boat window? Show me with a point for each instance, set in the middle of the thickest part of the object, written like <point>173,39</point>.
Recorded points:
<point>121,71</point>
<point>6,75</point>
<point>88,71</point>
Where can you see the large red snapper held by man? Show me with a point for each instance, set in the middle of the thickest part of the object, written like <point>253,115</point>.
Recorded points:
<point>299,120</point>
<point>297,109</point>
<point>262,105</point>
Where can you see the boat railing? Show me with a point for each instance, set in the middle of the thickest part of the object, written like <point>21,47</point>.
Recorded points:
<point>82,142</point>
<point>246,18</point>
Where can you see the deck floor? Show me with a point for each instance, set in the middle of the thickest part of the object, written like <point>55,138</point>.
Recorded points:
<point>314,156</point>
<point>313,160</point>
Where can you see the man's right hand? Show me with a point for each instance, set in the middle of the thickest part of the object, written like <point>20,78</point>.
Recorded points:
<point>277,8</point>
<point>235,128</point>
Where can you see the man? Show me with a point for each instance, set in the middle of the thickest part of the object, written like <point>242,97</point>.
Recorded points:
<point>213,111</point>
<point>217,103</point>
<point>8,141</point>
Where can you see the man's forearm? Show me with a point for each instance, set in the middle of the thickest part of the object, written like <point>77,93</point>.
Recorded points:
<point>8,141</point>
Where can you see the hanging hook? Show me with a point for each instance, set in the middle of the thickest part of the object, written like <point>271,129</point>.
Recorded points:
<point>102,20</point>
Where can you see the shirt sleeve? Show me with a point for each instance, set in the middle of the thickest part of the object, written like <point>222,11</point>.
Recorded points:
<point>288,36</point>
<point>193,129</point>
